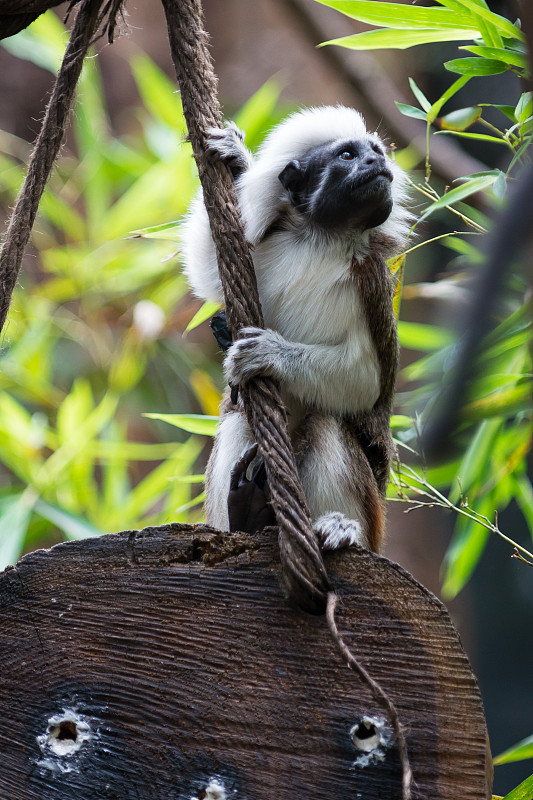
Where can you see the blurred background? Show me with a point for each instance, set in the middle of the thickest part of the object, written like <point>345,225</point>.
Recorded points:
<point>98,337</point>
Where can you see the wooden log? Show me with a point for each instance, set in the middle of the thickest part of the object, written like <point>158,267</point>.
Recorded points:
<point>166,663</point>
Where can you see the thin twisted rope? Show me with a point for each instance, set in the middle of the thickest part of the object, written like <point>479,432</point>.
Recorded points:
<point>45,151</point>
<point>301,559</point>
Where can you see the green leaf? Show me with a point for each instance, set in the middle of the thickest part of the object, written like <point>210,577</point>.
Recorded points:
<point>519,752</point>
<point>483,137</point>
<point>15,514</point>
<point>159,94</point>
<point>522,792</point>
<point>417,336</point>
<point>450,92</point>
<point>391,39</point>
<point>524,108</point>
<point>499,54</point>
<point>398,15</point>
<point>459,193</point>
<point>475,66</point>
<point>73,526</point>
<point>411,111</point>
<point>192,423</point>
<point>501,24</point>
<point>523,493</point>
<point>420,96</point>
<point>461,119</point>
<point>500,186</point>
<point>464,552</point>
<point>504,403</point>
<point>205,312</point>
<point>167,231</point>
<point>400,422</point>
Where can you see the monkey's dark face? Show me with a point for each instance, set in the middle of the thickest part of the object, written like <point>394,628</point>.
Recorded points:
<point>341,185</point>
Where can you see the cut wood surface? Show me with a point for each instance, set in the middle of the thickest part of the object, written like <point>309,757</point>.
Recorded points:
<point>167,664</point>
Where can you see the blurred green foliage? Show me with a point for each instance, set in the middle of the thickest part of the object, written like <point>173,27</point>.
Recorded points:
<point>94,332</point>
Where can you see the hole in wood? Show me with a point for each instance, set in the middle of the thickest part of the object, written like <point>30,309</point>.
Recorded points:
<point>371,736</point>
<point>213,791</point>
<point>65,734</point>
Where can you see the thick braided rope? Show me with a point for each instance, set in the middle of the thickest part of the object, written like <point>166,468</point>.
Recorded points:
<point>45,151</point>
<point>301,560</point>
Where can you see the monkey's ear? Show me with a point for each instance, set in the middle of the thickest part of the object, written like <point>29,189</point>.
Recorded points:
<point>292,176</point>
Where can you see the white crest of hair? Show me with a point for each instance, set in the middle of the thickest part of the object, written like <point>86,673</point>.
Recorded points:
<point>261,199</point>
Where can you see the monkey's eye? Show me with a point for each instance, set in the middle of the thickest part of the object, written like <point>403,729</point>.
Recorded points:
<point>347,155</point>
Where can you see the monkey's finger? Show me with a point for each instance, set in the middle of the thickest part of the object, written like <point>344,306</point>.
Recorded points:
<point>238,473</point>
<point>234,396</point>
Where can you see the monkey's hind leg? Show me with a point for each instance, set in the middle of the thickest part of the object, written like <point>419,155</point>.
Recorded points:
<point>338,482</point>
<point>232,439</point>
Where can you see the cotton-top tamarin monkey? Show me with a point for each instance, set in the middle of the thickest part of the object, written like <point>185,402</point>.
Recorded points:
<point>322,208</point>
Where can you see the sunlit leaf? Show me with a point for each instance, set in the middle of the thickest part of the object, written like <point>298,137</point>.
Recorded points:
<point>393,40</point>
<point>460,120</point>
<point>192,423</point>
<point>15,516</point>
<point>522,792</point>
<point>501,24</point>
<point>398,15</point>
<point>418,336</point>
<point>204,313</point>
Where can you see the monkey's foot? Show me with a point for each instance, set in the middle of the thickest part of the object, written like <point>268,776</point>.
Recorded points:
<point>334,530</point>
<point>227,144</point>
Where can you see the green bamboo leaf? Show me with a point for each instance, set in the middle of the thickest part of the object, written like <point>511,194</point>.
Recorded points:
<point>504,403</point>
<point>461,119</point>
<point>398,15</point>
<point>167,231</point>
<point>15,514</point>
<point>455,195</point>
<point>499,54</point>
<point>159,94</point>
<point>501,24</point>
<point>392,39</point>
<point>420,96</point>
<point>464,552</point>
<point>524,108</point>
<point>417,336</point>
<point>73,526</point>
<point>449,93</point>
<point>205,312</point>
<point>476,456</point>
<point>483,137</point>
<point>411,111</point>
<point>475,66</point>
<point>192,423</point>
<point>522,792</point>
<point>519,752</point>
<point>400,422</point>
<point>523,493</point>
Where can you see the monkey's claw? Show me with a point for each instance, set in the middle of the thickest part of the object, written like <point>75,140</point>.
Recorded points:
<point>227,144</point>
<point>254,353</point>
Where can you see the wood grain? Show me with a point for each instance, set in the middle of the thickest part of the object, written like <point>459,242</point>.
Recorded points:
<point>176,652</point>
